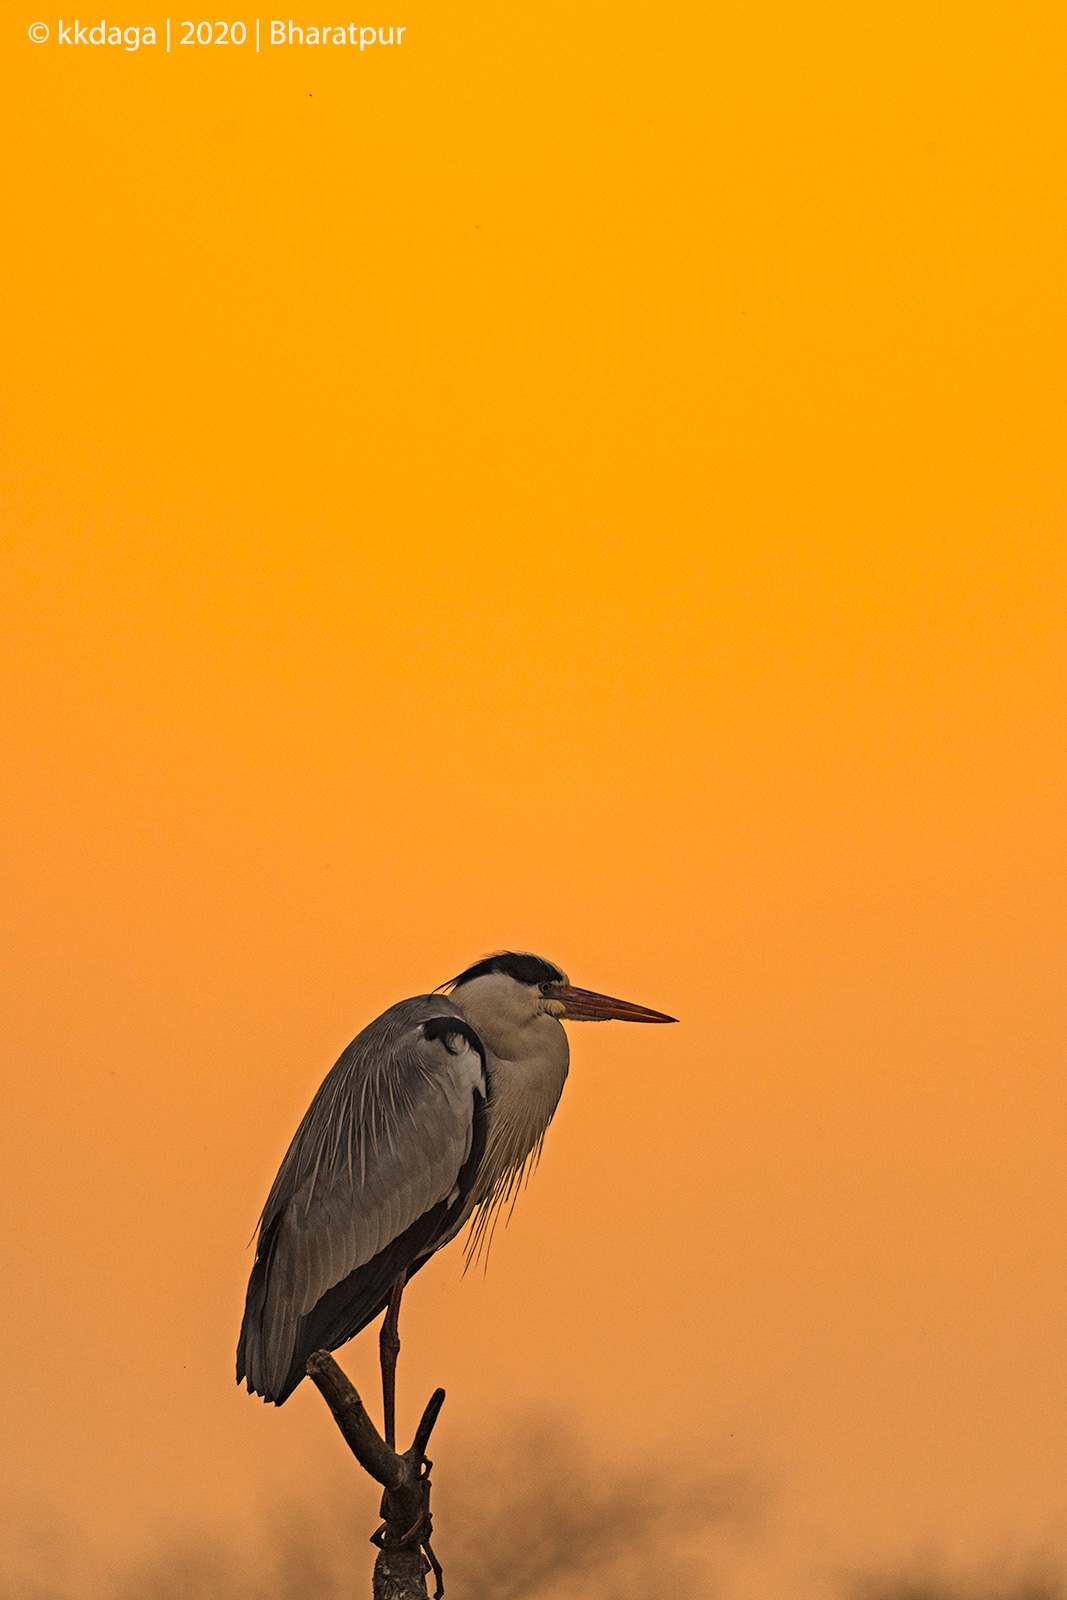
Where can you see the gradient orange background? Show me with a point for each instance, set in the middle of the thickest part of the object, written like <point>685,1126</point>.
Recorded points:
<point>590,481</point>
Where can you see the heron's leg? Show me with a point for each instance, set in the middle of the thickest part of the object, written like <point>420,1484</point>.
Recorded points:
<point>389,1348</point>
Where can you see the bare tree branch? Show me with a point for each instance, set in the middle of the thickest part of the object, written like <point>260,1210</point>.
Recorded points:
<point>403,1540</point>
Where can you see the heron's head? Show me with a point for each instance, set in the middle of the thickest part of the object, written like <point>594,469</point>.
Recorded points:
<point>515,989</point>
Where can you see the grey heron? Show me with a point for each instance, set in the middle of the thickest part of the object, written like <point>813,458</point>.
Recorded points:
<point>428,1120</point>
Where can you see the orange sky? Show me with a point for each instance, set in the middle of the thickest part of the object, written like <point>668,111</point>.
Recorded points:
<point>589,482</point>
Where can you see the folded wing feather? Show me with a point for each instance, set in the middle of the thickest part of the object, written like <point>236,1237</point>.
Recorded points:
<point>383,1143</point>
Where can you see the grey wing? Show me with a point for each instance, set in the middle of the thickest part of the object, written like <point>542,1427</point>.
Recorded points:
<point>372,1183</point>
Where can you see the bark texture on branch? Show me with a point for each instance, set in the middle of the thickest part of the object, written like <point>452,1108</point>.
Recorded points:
<point>403,1540</point>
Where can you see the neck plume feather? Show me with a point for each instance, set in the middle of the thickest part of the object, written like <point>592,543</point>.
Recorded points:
<point>523,1096</point>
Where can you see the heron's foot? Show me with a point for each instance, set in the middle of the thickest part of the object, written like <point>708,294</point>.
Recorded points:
<point>435,1568</point>
<point>417,1537</point>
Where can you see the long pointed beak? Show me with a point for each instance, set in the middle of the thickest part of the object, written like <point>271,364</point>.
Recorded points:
<point>585,1006</point>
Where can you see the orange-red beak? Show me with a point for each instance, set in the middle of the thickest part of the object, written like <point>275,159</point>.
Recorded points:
<point>585,1006</point>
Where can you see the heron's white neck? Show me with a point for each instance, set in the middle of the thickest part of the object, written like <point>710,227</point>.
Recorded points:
<point>526,1064</point>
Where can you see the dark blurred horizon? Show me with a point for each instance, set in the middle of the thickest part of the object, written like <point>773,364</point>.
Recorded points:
<point>526,1512</point>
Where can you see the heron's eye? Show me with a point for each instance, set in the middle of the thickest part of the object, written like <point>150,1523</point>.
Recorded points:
<point>544,987</point>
